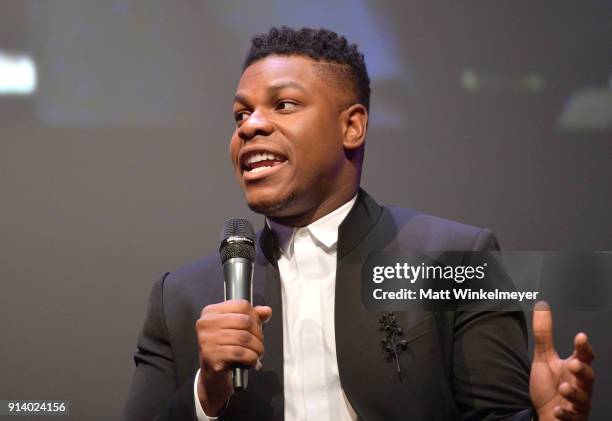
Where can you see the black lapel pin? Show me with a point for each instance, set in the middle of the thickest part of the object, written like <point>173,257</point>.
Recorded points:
<point>391,342</point>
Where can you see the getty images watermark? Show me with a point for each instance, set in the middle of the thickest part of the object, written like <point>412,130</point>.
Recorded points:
<point>468,280</point>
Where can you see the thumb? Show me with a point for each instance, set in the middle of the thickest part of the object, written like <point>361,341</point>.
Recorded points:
<point>264,313</point>
<point>542,331</point>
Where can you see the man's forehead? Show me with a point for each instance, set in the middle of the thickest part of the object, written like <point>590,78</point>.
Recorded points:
<point>272,69</point>
<point>294,71</point>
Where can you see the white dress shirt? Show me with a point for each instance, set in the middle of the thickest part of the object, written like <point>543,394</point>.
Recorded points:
<point>307,267</point>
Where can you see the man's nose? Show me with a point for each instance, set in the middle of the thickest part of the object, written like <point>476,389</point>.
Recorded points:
<point>256,125</point>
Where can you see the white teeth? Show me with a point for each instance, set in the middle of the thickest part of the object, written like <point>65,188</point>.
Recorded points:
<point>261,156</point>
<point>258,169</point>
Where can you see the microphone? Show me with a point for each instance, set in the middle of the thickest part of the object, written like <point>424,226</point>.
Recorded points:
<point>237,252</point>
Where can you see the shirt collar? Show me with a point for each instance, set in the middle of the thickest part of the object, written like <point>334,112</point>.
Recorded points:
<point>324,230</point>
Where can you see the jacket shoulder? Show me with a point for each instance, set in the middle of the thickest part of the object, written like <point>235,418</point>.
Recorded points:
<point>429,232</point>
<point>194,285</point>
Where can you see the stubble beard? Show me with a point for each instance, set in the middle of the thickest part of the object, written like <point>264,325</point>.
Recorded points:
<point>274,209</point>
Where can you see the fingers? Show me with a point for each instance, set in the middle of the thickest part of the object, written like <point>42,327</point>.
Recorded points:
<point>264,313</point>
<point>577,396</point>
<point>230,333</point>
<point>239,321</point>
<point>583,374</point>
<point>257,315</point>
<point>230,306</point>
<point>213,342</point>
<point>565,415</point>
<point>241,355</point>
<point>542,331</point>
<point>223,358</point>
<point>584,351</point>
<point>580,399</point>
<point>240,338</point>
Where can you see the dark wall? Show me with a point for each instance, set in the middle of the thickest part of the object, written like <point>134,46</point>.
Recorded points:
<point>115,169</point>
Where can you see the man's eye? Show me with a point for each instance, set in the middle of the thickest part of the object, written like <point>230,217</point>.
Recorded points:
<point>240,116</point>
<point>286,105</point>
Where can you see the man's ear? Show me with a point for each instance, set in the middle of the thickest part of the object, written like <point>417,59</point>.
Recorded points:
<point>354,126</point>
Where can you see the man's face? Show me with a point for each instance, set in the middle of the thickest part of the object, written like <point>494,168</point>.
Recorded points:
<point>287,149</point>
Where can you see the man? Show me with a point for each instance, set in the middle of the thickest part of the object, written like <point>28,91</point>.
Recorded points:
<point>301,111</point>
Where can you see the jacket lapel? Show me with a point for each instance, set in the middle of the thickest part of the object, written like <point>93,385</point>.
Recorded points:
<point>369,379</point>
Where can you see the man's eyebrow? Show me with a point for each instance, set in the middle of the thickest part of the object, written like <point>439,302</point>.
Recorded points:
<point>288,84</point>
<point>241,99</point>
<point>273,89</point>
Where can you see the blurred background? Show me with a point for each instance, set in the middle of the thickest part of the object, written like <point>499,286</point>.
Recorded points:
<point>115,120</point>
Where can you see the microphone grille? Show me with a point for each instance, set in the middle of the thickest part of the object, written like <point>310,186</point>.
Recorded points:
<point>237,227</point>
<point>237,240</point>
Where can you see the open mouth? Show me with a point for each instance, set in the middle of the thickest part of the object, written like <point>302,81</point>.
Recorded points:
<point>259,161</point>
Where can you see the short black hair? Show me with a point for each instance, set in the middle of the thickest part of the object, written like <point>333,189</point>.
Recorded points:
<point>320,45</point>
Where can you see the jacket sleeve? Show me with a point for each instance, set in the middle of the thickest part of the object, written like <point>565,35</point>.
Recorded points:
<point>154,390</point>
<point>490,363</point>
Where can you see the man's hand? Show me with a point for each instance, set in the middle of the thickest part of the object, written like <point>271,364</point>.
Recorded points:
<point>560,389</point>
<point>229,334</point>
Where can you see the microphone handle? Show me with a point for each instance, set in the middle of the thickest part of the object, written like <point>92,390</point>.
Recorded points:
<point>238,273</point>
<point>240,378</point>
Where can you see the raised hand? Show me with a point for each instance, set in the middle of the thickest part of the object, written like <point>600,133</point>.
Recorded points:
<point>560,389</point>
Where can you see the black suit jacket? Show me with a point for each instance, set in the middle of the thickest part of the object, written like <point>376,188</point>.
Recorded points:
<point>458,365</point>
